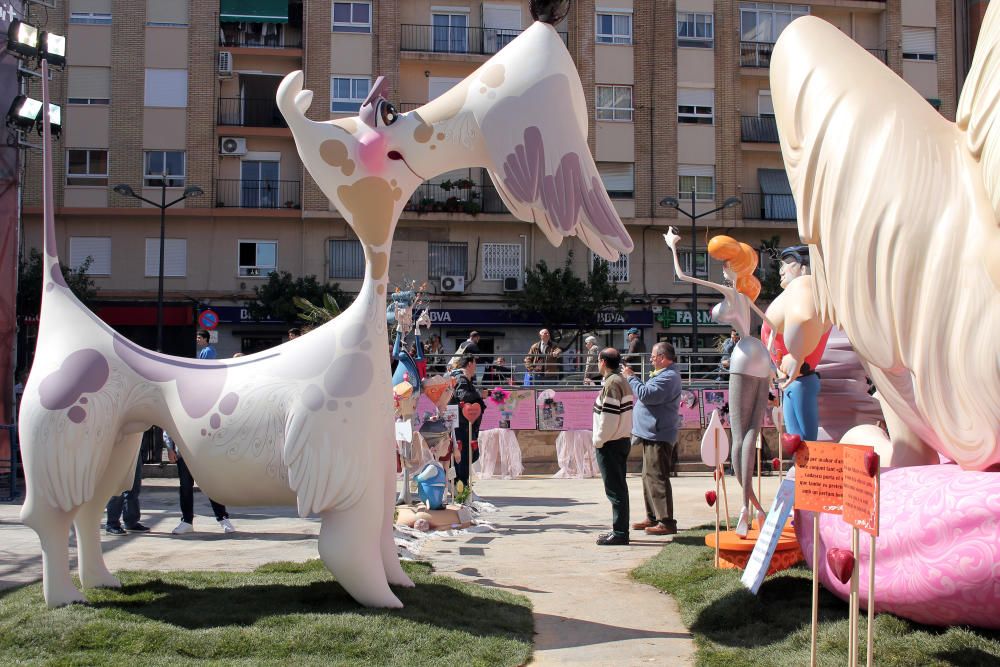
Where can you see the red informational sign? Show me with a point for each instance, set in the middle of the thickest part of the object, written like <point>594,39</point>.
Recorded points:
<point>819,477</point>
<point>861,488</point>
<point>208,319</point>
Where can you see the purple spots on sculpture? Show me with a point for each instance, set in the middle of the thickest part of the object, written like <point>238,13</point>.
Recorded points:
<point>562,193</point>
<point>49,287</point>
<point>204,432</point>
<point>602,214</point>
<point>83,400</point>
<point>215,421</point>
<point>348,376</point>
<point>312,397</point>
<point>524,168</point>
<point>228,403</point>
<point>355,334</point>
<point>82,371</point>
<point>56,275</point>
<point>76,414</point>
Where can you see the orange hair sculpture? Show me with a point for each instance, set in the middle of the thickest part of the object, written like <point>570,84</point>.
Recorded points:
<point>742,260</point>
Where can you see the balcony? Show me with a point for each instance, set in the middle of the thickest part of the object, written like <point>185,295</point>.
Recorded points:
<point>762,206</point>
<point>759,129</point>
<point>457,40</point>
<point>236,193</point>
<point>256,36</point>
<point>758,54</point>
<point>460,196</point>
<point>250,112</point>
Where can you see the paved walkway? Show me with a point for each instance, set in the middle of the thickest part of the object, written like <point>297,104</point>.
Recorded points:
<point>587,609</point>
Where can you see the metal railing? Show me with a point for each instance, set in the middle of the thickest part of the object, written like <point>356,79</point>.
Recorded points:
<point>250,112</point>
<point>236,193</point>
<point>762,206</point>
<point>881,54</point>
<point>284,39</point>
<point>758,54</point>
<point>470,199</point>
<point>456,39</point>
<point>759,129</point>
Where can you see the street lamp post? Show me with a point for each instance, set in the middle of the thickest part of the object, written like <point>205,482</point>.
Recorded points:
<point>190,191</point>
<point>672,202</point>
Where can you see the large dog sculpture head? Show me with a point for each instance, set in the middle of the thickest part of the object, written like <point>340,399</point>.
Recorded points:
<point>522,116</point>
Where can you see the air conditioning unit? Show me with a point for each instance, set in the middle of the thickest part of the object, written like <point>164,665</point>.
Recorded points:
<point>225,64</point>
<point>512,284</point>
<point>452,283</point>
<point>232,146</point>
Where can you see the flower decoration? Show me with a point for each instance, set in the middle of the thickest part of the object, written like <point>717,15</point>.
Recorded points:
<point>498,396</point>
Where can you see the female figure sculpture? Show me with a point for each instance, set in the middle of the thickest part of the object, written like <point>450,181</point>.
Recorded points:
<point>749,364</point>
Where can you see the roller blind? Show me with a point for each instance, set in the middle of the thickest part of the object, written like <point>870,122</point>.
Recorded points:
<point>919,40</point>
<point>167,11</point>
<point>90,82</point>
<point>166,87</point>
<point>174,257</point>
<point>90,6</point>
<point>96,247</point>
<point>696,97</point>
<point>617,176</point>
<point>696,170</point>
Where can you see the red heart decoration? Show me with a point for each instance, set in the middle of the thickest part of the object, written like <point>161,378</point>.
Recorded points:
<point>841,562</point>
<point>471,411</point>
<point>776,463</point>
<point>710,498</point>
<point>790,442</point>
<point>871,463</point>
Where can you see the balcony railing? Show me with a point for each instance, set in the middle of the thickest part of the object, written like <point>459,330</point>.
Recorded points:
<point>761,206</point>
<point>454,39</point>
<point>258,39</point>
<point>759,129</point>
<point>758,54</point>
<point>470,199</point>
<point>237,193</point>
<point>250,112</point>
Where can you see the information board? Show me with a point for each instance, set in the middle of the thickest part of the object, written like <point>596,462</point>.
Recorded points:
<point>517,413</point>
<point>861,490</point>
<point>566,410</point>
<point>819,477</point>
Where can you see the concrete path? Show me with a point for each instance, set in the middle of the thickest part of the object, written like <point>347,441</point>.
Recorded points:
<point>587,609</point>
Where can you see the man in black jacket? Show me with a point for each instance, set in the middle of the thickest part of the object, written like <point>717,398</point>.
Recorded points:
<point>468,443</point>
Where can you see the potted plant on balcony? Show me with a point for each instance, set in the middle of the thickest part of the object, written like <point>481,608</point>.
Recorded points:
<point>289,204</point>
<point>463,184</point>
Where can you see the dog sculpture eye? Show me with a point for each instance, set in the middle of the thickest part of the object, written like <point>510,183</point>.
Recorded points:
<point>387,113</point>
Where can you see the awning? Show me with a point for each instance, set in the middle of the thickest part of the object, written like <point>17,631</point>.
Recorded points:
<point>253,11</point>
<point>778,201</point>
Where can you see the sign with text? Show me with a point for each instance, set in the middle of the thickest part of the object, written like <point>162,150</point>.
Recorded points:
<point>567,411</point>
<point>819,477</point>
<point>861,490</point>
<point>767,541</point>
<point>517,413</point>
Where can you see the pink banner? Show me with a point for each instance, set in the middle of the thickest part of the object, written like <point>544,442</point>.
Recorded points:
<point>566,410</point>
<point>716,399</point>
<point>517,412</point>
<point>690,408</point>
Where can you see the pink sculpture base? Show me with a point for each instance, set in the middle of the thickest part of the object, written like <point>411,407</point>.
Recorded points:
<point>937,558</point>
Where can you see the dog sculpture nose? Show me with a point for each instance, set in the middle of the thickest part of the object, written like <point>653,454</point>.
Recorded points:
<point>371,152</point>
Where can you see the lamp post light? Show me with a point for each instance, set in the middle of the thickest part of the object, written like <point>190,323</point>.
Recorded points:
<point>672,202</point>
<point>190,191</point>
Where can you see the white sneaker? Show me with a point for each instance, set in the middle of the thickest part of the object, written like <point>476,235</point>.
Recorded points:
<point>741,526</point>
<point>182,528</point>
<point>227,526</point>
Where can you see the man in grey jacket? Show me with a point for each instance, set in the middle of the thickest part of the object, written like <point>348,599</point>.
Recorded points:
<point>656,419</point>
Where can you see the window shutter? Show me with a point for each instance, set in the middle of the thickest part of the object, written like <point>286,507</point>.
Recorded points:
<point>97,247</point>
<point>166,11</point>
<point>696,170</point>
<point>90,82</point>
<point>166,88</point>
<point>919,40</point>
<point>765,106</point>
<point>347,259</point>
<point>696,97</point>
<point>90,6</point>
<point>174,258</point>
<point>617,176</point>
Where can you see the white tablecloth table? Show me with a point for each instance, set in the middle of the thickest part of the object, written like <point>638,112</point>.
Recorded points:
<point>575,453</point>
<point>499,455</point>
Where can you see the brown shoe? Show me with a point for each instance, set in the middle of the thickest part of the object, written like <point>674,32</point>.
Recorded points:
<point>643,525</point>
<point>661,529</point>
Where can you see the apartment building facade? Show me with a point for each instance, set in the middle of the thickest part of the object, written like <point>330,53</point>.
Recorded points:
<point>184,91</point>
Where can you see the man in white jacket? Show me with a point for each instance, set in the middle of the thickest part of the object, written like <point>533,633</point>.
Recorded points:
<point>612,438</point>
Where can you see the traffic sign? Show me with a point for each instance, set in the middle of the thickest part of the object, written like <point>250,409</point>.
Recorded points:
<point>208,319</point>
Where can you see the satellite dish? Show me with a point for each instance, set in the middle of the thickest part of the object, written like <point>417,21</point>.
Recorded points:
<point>715,432</point>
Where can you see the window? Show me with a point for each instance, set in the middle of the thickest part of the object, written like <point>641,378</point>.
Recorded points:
<point>701,264</point>
<point>86,167</point>
<point>699,178</point>
<point>765,106</point>
<point>695,105</point>
<point>347,260</point>
<point>96,248</point>
<point>166,88</point>
<point>89,85</point>
<point>614,103</point>
<point>260,184</point>
<point>618,271</point>
<point>352,17</point>
<point>697,30</point>
<point>257,258</point>
<point>618,179</point>
<point>174,258</point>
<point>919,44</point>
<point>451,33</point>
<point>447,259</point>
<point>614,28</point>
<point>502,260</point>
<point>169,162</point>
<point>166,13</point>
<point>764,21</point>
<point>348,93</point>
<point>90,18</point>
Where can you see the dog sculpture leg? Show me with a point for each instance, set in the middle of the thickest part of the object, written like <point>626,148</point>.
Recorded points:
<point>52,526</point>
<point>117,477</point>
<point>349,542</point>
<point>390,556</point>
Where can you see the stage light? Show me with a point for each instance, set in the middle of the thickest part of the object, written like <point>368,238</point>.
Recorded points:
<point>23,112</point>
<point>52,47</point>
<point>23,38</point>
<point>55,119</point>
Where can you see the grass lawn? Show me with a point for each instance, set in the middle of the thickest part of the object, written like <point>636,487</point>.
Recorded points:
<point>282,613</point>
<point>734,627</point>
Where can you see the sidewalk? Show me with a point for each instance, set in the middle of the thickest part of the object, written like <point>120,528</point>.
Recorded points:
<point>587,609</point>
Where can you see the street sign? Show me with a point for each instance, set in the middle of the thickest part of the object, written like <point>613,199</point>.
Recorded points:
<point>208,319</point>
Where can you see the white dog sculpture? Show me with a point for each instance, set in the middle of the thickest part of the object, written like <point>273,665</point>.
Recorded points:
<point>311,421</point>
